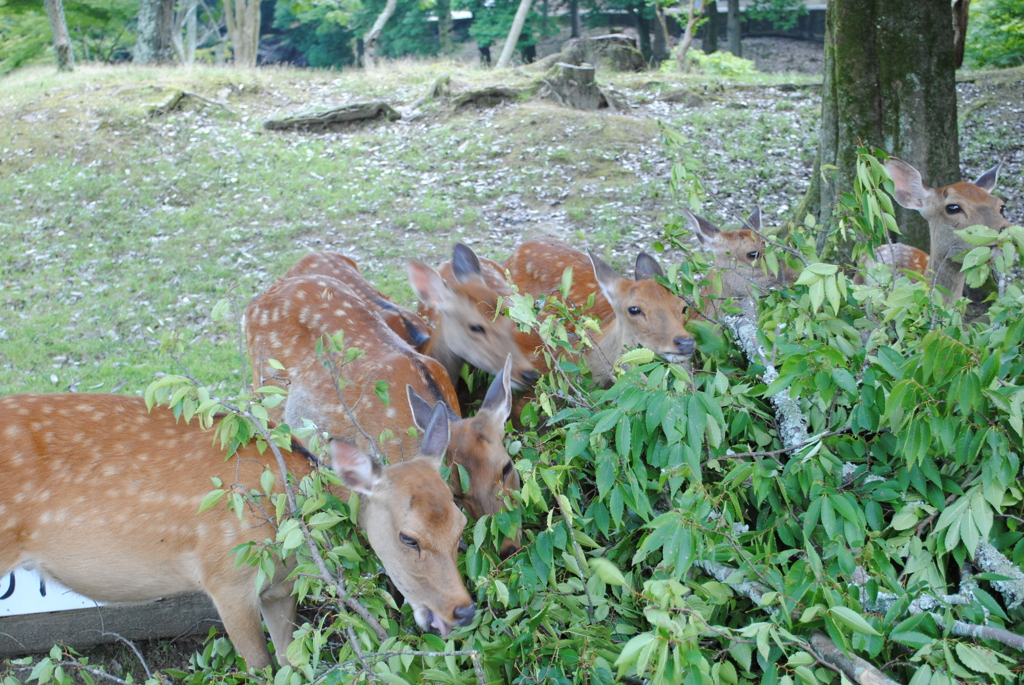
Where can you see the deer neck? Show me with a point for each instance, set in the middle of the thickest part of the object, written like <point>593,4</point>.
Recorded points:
<point>943,270</point>
<point>607,348</point>
<point>437,347</point>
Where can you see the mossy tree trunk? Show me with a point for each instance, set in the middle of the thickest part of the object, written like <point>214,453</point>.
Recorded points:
<point>61,39</point>
<point>889,83</point>
<point>711,27</point>
<point>153,43</point>
<point>574,19</point>
<point>444,26</point>
<point>734,28</point>
<point>242,18</point>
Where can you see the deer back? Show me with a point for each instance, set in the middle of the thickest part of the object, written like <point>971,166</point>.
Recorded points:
<point>102,496</point>
<point>285,324</point>
<point>405,323</point>
<point>948,209</point>
<point>469,325</point>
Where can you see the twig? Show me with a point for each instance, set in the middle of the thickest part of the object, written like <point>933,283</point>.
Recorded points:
<point>580,561</point>
<point>853,667</point>
<point>131,646</point>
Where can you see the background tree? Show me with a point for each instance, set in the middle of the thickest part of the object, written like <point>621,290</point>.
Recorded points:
<point>61,40</point>
<point>371,37</point>
<point>996,34</point>
<point>694,10</point>
<point>513,34</point>
<point>734,28</point>
<point>710,42</point>
<point>889,82</point>
<point>243,19</point>
<point>153,44</point>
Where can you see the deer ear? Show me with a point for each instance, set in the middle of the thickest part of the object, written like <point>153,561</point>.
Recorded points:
<point>705,231</point>
<point>358,471</point>
<point>499,396</point>
<point>421,409</point>
<point>435,437</point>
<point>427,284</point>
<point>647,267</point>
<point>753,221</point>
<point>465,264</point>
<point>606,277</point>
<point>911,192</point>
<point>987,181</point>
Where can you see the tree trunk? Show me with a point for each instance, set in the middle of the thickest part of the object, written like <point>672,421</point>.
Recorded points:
<point>190,34</point>
<point>513,34</point>
<point>693,12</point>
<point>711,32</point>
<point>444,26</point>
<point>243,22</point>
<point>661,49</point>
<point>960,9</point>
<point>574,19</point>
<point>734,28</point>
<point>370,39</point>
<point>61,39</point>
<point>153,43</point>
<point>889,83</point>
<point>643,30</point>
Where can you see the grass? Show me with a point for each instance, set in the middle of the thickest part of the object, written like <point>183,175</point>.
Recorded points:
<point>121,227</point>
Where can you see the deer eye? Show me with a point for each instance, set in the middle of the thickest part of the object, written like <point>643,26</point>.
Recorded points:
<point>507,471</point>
<point>952,209</point>
<point>635,311</point>
<point>1002,211</point>
<point>477,328</point>
<point>406,540</point>
<point>753,255</point>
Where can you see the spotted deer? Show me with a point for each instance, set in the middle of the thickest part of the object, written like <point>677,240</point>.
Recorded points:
<point>285,323</point>
<point>103,496</point>
<point>736,256</point>
<point>633,312</point>
<point>469,324</point>
<point>405,323</point>
<point>947,209</point>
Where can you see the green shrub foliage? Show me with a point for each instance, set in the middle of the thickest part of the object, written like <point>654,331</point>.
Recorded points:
<point>670,536</point>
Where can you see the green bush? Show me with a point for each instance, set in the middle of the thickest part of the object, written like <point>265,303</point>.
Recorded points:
<point>995,34</point>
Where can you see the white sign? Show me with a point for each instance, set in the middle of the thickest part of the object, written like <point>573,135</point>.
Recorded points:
<point>24,592</point>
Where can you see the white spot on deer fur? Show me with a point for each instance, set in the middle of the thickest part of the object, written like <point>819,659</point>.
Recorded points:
<point>12,431</point>
<point>264,317</point>
<point>391,413</point>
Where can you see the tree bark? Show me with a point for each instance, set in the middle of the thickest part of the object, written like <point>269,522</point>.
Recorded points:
<point>153,43</point>
<point>370,39</point>
<point>693,13</point>
<point>960,9</point>
<point>513,35</point>
<point>574,19</point>
<point>889,83</point>
<point>61,39</point>
<point>734,28</point>
<point>444,26</point>
<point>661,43</point>
<point>643,30</point>
<point>243,22</point>
<point>711,32</point>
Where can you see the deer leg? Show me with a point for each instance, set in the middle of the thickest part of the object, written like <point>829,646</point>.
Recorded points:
<point>278,608</point>
<point>240,613</point>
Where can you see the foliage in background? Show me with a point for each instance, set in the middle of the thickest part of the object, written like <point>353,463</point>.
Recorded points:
<point>995,34</point>
<point>783,14</point>
<point>493,19</point>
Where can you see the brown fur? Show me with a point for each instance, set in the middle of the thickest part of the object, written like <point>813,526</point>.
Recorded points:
<point>406,324</point>
<point>285,323</point>
<point>103,496</point>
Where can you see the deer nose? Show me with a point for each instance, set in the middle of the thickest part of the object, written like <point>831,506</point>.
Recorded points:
<point>508,548</point>
<point>684,345</point>
<point>464,615</point>
<point>529,377</point>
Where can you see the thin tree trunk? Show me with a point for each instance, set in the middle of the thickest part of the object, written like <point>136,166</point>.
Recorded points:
<point>643,30</point>
<point>574,19</point>
<point>243,19</point>
<point>191,27</point>
<point>693,13</point>
<point>153,43</point>
<point>711,32</point>
<point>370,39</point>
<point>734,28</point>
<point>960,9</point>
<point>61,39</point>
<point>513,34</point>
<point>444,26</point>
<point>889,83</point>
<point>661,41</point>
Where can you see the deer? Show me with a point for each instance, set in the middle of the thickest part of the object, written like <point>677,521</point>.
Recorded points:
<point>284,324</point>
<point>947,209</point>
<point>633,312</point>
<point>736,255</point>
<point>469,324</point>
<point>102,496</point>
<point>405,323</point>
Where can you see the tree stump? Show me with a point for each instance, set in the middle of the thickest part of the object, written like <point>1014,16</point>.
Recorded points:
<point>332,117</point>
<point>574,86</point>
<point>614,52</point>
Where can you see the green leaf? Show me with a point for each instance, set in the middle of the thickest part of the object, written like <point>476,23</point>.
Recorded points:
<point>852,620</point>
<point>210,500</point>
<point>607,571</point>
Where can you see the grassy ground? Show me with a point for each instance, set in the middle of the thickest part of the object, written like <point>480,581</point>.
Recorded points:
<point>122,224</point>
